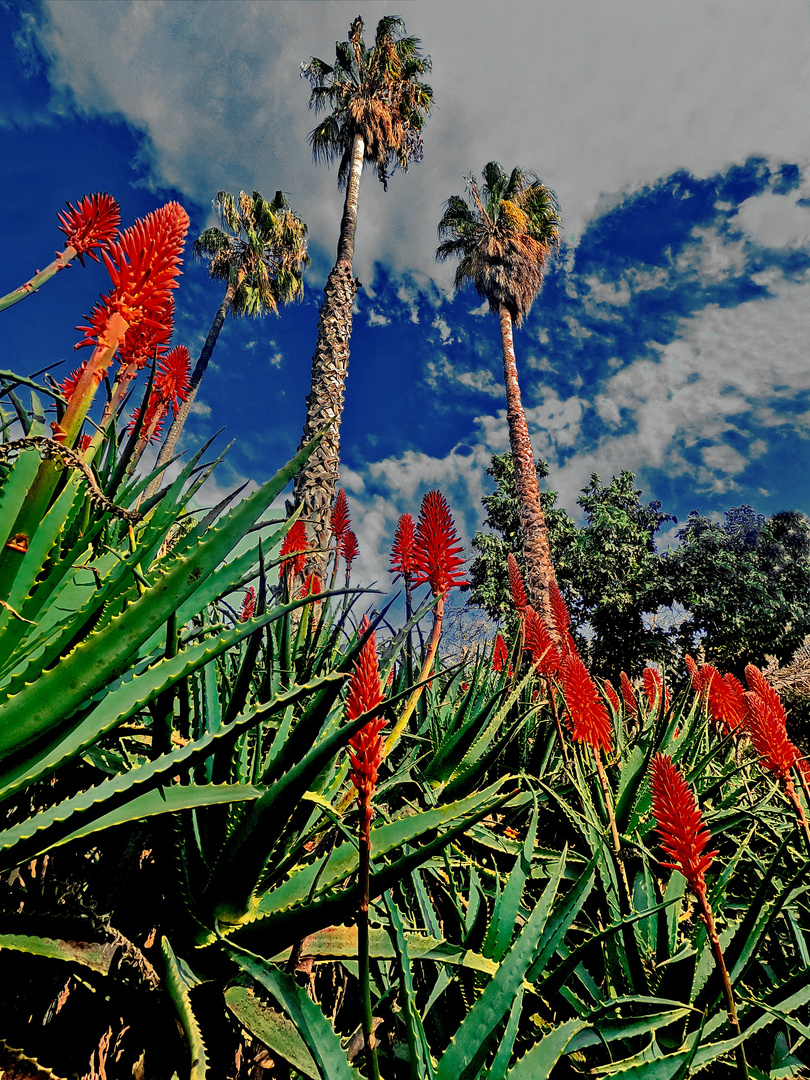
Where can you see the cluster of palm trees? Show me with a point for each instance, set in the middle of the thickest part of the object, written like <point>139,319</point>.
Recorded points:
<point>376,105</point>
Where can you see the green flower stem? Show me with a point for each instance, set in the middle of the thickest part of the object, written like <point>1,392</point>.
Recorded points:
<point>363,957</point>
<point>62,260</point>
<point>617,847</point>
<point>427,667</point>
<point>711,930</point>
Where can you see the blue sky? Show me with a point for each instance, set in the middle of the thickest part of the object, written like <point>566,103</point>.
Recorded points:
<point>671,334</point>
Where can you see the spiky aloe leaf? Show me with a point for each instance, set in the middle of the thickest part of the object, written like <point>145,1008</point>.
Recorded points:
<point>500,1063</point>
<point>418,1047</point>
<point>103,656</point>
<point>129,696</point>
<point>57,825</point>
<point>316,1031</point>
<point>179,981</point>
<point>343,860</point>
<point>13,490</point>
<point>505,912</point>
<point>488,1011</point>
<point>544,1055</point>
<point>272,1028</point>
<point>95,955</point>
<point>280,929</point>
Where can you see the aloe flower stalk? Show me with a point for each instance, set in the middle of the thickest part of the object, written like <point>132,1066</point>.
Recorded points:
<point>500,654</point>
<point>438,563</point>
<point>248,605</point>
<point>340,525</point>
<point>170,388</point>
<point>365,753</point>
<point>293,552</point>
<point>403,557</point>
<point>628,694</point>
<point>591,724</point>
<point>350,552</point>
<point>91,224</point>
<point>684,837</point>
<point>766,724</point>
<point>143,265</point>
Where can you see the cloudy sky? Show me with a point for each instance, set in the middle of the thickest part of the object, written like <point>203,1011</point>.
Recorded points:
<point>671,337</point>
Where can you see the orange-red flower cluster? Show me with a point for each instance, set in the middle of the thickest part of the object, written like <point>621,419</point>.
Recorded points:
<point>403,560</point>
<point>294,549</point>
<point>684,835</point>
<point>365,693</point>
<point>171,386</point>
<point>340,520</point>
<point>766,724</point>
<point>248,604</point>
<point>350,550</point>
<point>628,694</point>
<point>500,653</point>
<point>653,685</point>
<point>437,546</point>
<point>724,695</point>
<point>311,587</point>
<point>516,586</point>
<point>546,656</point>
<point>143,266</point>
<point>590,722</point>
<point>612,696</point>
<point>92,223</point>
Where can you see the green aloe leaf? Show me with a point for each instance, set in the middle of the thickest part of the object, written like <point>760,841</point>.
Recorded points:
<point>418,1047</point>
<point>179,981</point>
<point>104,655</point>
<point>316,1031</point>
<point>505,912</point>
<point>272,1028</point>
<point>544,1055</point>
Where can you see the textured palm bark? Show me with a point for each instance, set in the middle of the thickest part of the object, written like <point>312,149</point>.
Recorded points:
<point>539,567</point>
<point>178,423</point>
<point>316,484</point>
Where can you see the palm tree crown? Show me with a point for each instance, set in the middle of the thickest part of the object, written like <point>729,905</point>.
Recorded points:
<point>260,258</point>
<point>374,93</point>
<point>504,239</point>
<point>262,254</point>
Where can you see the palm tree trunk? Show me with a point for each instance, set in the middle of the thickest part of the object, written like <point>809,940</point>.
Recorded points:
<point>315,485</point>
<point>539,567</point>
<point>178,423</point>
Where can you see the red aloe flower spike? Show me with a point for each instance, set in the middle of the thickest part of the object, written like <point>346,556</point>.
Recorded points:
<point>437,546</point>
<point>172,381</point>
<point>612,696</point>
<point>341,521</point>
<point>630,703</point>
<point>545,654</point>
<point>364,694</point>
<point>590,722</point>
<point>143,266</point>
<point>684,835</point>
<point>724,696</point>
<point>93,223</point>
<point>698,681</point>
<point>403,559</point>
<point>70,383</point>
<point>765,724</point>
<point>500,653</point>
<point>561,618</point>
<point>350,550</point>
<point>654,688</point>
<point>311,587</point>
<point>516,585</point>
<point>294,550</point>
<point>248,604</point>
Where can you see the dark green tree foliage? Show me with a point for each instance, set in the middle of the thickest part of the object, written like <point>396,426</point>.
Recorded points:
<point>746,584</point>
<point>608,571</point>
<point>614,577</point>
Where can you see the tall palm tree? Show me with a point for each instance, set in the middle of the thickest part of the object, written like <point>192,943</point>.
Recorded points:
<point>503,240</point>
<point>378,108</point>
<point>259,253</point>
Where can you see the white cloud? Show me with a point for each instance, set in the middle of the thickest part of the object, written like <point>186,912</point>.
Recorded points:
<point>774,221</point>
<point>711,256</point>
<point>276,360</point>
<point>444,330</point>
<point>376,318</point>
<point>216,87</point>
<point>199,408</point>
